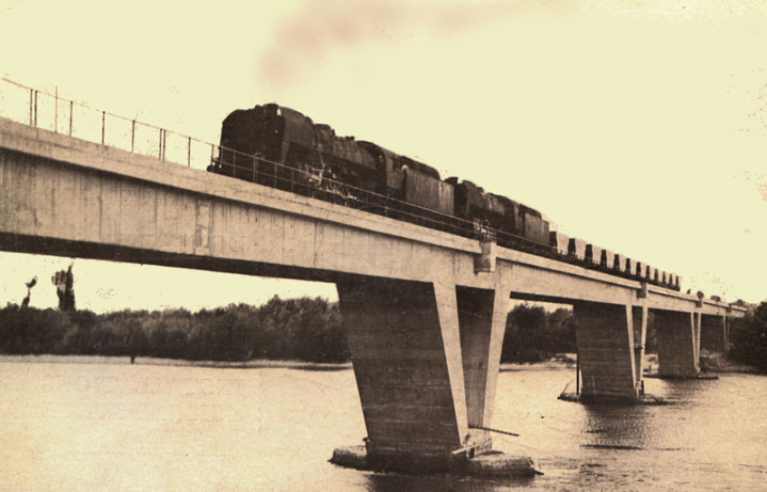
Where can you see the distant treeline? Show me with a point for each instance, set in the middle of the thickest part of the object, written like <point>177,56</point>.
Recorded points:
<point>292,329</point>
<point>302,329</point>
<point>748,339</point>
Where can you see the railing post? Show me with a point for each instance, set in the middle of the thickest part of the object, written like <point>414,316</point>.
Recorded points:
<point>36,109</point>
<point>31,103</point>
<point>71,110</point>
<point>56,111</point>
<point>133,136</point>
<point>189,153</point>
<point>103,126</point>
<point>159,151</point>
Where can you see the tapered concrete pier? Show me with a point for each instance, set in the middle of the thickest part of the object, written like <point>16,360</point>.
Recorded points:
<point>426,358</point>
<point>607,352</point>
<point>678,337</point>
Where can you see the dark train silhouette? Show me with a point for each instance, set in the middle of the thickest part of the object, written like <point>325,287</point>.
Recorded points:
<point>278,147</point>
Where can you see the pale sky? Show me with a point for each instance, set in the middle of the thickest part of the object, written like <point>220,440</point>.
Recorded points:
<point>637,126</point>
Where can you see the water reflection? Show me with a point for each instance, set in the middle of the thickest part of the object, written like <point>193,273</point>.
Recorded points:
<point>617,426</point>
<point>682,391</point>
<point>99,425</point>
<point>442,483</point>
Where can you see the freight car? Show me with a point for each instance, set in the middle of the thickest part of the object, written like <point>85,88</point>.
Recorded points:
<point>279,147</point>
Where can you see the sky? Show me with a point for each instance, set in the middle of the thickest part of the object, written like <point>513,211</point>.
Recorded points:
<point>637,126</point>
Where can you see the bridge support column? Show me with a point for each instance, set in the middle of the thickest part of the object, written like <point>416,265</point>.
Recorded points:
<point>678,337</point>
<point>640,341</point>
<point>607,352</point>
<point>482,319</point>
<point>426,358</point>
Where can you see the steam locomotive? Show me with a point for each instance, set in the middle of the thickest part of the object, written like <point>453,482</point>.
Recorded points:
<point>279,147</point>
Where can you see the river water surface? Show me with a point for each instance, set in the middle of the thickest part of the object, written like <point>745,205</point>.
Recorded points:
<point>86,424</point>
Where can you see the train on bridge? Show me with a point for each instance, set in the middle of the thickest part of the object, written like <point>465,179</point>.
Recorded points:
<point>279,147</point>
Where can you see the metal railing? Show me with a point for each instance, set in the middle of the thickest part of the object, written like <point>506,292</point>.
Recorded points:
<point>314,184</point>
<point>41,109</point>
<point>48,111</point>
<point>258,170</point>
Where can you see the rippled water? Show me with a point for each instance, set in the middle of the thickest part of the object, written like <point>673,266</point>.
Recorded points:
<point>103,424</point>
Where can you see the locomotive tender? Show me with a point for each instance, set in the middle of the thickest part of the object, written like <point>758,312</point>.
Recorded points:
<point>279,147</point>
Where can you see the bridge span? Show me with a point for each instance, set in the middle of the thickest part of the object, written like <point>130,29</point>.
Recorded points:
<point>425,310</point>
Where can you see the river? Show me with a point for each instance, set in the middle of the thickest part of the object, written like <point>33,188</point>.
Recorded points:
<point>94,423</point>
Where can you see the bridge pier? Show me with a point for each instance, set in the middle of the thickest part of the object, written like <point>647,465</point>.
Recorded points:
<point>678,337</point>
<point>640,342</point>
<point>610,361</point>
<point>482,321</point>
<point>426,357</point>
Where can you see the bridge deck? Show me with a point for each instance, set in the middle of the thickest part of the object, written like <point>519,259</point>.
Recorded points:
<point>65,196</point>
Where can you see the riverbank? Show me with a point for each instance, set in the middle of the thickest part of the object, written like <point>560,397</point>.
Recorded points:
<point>710,363</point>
<point>559,361</point>
<point>152,361</point>
<point>713,362</point>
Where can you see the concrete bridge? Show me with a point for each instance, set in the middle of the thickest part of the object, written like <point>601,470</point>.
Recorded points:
<point>425,310</point>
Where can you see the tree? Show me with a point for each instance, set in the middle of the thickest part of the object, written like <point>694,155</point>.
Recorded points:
<point>533,335</point>
<point>30,284</point>
<point>64,281</point>
<point>749,339</point>
<point>560,332</point>
<point>524,334</point>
